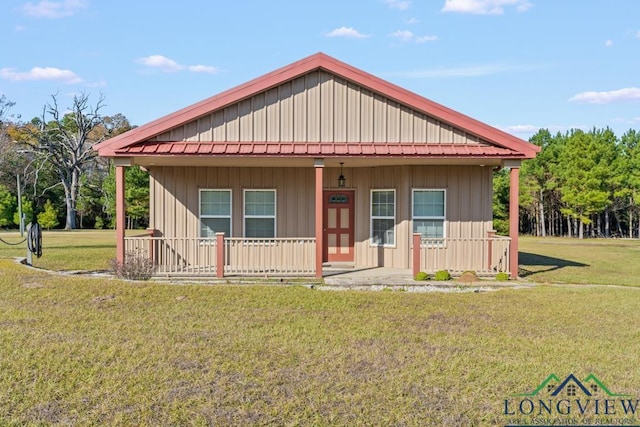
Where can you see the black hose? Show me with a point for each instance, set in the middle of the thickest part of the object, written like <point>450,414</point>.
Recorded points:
<point>12,244</point>
<point>34,239</point>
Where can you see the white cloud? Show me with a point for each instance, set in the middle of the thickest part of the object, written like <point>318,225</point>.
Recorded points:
<point>168,65</point>
<point>54,9</point>
<point>484,7</point>
<point>398,4</point>
<point>607,97</point>
<point>402,35</point>
<point>520,129</point>
<point>41,73</point>
<point>161,62</point>
<point>424,39</point>
<point>347,32</point>
<point>608,43</point>
<point>412,21</point>
<point>469,71</point>
<point>203,69</point>
<point>407,36</point>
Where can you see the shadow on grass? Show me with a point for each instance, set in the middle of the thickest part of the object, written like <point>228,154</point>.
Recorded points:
<point>526,259</point>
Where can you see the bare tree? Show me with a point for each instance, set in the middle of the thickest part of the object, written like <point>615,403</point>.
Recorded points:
<point>66,143</point>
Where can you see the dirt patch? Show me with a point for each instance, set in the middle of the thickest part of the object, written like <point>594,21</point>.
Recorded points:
<point>33,285</point>
<point>103,298</point>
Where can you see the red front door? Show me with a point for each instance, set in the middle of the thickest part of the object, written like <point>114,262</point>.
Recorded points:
<point>337,223</point>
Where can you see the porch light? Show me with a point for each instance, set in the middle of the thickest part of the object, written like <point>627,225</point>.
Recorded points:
<point>341,178</point>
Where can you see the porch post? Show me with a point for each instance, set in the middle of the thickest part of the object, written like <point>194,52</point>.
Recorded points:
<point>219,255</point>
<point>514,218</point>
<point>417,240</point>
<point>120,213</point>
<point>319,165</point>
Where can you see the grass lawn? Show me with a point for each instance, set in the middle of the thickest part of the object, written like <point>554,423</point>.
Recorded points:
<point>92,351</point>
<point>563,260</point>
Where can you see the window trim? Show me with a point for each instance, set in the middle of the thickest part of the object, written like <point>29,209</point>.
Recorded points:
<point>443,217</point>
<point>274,216</point>
<point>200,215</point>
<point>371,218</point>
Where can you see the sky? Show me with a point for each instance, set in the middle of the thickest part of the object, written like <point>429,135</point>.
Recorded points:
<point>518,65</point>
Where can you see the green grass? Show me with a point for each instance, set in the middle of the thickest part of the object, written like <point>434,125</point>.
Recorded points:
<point>79,351</point>
<point>588,261</point>
<point>67,250</point>
<point>88,351</point>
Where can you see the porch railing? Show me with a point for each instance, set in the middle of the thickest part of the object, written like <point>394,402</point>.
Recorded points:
<point>184,256</point>
<point>485,255</point>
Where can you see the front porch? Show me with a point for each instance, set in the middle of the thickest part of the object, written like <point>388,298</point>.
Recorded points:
<point>222,256</point>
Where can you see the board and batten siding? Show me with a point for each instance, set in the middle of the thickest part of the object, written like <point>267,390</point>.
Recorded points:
<point>318,107</point>
<point>175,201</point>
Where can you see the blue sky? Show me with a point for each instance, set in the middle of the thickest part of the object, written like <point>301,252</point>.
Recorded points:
<point>519,65</point>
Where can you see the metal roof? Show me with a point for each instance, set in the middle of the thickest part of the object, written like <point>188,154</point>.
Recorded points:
<point>131,142</point>
<point>267,149</point>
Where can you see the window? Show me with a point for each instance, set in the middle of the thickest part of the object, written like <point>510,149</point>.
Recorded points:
<point>260,213</point>
<point>215,212</point>
<point>383,217</point>
<point>429,213</point>
<point>571,390</point>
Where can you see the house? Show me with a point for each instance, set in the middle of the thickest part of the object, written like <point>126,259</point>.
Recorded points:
<point>319,162</point>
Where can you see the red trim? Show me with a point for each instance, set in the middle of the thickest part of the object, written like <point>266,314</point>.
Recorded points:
<point>417,241</point>
<point>514,219</point>
<point>278,149</point>
<point>319,209</point>
<point>120,213</point>
<point>317,61</point>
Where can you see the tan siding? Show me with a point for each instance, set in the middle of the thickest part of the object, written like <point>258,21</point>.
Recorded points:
<point>286,112</point>
<point>366,117</point>
<point>393,122</point>
<point>379,119</point>
<point>468,203</point>
<point>205,132</point>
<point>273,115</point>
<point>313,107</point>
<point>353,113</point>
<point>406,125</point>
<point>340,111</point>
<point>259,118</point>
<point>245,114</point>
<point>318,107</point>
<point>326,107</point>
<point>219,133</point>
<point>299,110</point>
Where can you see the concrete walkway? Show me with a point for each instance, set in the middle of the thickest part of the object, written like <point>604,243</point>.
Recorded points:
<point>378,278</point>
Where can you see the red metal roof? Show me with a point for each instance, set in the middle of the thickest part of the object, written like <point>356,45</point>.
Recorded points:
<point>120,145</point>
<point>266,149</point>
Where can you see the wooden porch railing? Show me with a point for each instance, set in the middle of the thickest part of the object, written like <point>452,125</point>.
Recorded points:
<point>485,256</point>
<point>184,256</point>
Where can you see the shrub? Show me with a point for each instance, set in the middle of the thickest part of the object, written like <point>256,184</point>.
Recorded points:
<point>136,266</point>
<point>99,224</point>
<point>442,275</point>
<point>421,276</point>
<point>502,277</point>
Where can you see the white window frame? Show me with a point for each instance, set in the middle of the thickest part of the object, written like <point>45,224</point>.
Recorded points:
<point>372,217</point>
<point>444,210</point>
<point>274,216</point>
<point>200,215</point>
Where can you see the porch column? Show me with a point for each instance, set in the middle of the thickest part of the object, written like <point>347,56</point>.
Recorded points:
<point>514,217</point>
<point>319,165</point>
<point>120,213</point>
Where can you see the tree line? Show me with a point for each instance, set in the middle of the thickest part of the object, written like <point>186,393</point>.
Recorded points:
<point>581,184</point>
<point>51,163</point>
